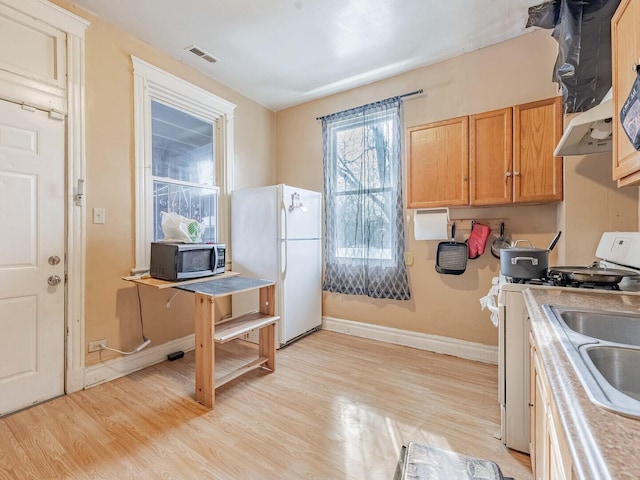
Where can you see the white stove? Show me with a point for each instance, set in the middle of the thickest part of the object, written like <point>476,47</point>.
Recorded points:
<point>617,250</point>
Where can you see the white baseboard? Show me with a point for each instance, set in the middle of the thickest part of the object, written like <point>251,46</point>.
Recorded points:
<point>121,366</point>
<point>422,341</point>
<point>74,380</point>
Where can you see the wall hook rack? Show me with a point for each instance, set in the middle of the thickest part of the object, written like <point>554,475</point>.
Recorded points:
<point>467,223</point>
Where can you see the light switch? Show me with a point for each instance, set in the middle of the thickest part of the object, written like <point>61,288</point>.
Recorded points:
<point>98,215</point>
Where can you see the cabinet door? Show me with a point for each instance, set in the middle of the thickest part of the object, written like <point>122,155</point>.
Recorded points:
<point>560,465</point>
<point>491,157</point>
<point>537,174</point>
<point>542,444</point>
<point>625,31</point>
<point>438,168</point>
<point>532,402</point>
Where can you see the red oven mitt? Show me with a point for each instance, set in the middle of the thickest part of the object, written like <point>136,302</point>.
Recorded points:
<point>478,239</point>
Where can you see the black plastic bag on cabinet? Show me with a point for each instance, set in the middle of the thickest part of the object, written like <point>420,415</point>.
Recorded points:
<point>582,29</point>
<point>630,114</point>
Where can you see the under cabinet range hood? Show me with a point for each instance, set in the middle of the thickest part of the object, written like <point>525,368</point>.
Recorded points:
<point>589,132</point>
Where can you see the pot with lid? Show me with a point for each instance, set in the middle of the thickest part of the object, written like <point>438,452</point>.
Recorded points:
<point>526,262</point>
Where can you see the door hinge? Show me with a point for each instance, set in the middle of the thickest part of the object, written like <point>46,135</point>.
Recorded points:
<point>54,115</point>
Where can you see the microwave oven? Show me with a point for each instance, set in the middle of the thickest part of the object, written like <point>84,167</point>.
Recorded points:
<point>184,261</point>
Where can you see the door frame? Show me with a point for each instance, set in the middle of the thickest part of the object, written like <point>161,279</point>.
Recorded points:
<point>76,213</point>
<point>75,168</point>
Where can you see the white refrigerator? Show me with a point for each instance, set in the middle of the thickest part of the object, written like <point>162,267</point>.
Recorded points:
<point>276,235</point>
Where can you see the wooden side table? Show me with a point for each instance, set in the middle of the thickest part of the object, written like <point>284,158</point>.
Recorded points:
<point>208,332</point>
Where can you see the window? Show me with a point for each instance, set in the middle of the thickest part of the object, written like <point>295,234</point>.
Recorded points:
<point>361,169</point>
<point>182,166</point>
<point>184,146</point>
<point>364,248</point>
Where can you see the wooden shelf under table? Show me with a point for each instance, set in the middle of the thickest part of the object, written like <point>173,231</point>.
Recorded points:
<point>208,332</point>
<point>236,327</point>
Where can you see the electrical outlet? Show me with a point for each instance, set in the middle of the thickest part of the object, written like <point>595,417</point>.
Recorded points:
<point>408,258</point>
<point>95,346</point>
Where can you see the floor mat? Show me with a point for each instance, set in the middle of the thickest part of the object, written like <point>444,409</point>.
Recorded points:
<point>424,462</point>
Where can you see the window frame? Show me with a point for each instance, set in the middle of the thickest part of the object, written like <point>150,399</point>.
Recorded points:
<point>152,83</point>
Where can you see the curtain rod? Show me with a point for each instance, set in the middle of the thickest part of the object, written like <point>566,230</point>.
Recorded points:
<point>417,92</point>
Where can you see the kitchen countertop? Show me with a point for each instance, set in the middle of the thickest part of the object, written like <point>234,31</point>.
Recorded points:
<point>603,444</point>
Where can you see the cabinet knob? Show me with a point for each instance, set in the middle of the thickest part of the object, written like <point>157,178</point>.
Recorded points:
<point>507,174</point>
<point>516,174</point>
<point>465,179</point>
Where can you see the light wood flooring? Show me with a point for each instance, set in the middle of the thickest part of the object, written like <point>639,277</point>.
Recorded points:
<point>337,407</point>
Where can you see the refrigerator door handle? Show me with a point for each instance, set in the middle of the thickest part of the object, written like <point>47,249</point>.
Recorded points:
<point>283,240</point>
<point>283,263</point>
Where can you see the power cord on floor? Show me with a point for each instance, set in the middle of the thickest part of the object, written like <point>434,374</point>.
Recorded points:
<point>137,349</point>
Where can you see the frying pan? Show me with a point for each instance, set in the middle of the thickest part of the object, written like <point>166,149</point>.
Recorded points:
<point>593,274</point>
<point>451,258</point>
<point>500,242</point>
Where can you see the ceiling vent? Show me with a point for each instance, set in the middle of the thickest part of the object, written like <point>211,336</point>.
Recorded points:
<point>201,53</point>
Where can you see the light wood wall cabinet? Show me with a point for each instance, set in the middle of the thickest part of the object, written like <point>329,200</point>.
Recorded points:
<point>537,129</point>
<point>491,157</point>
<point>438,167</point>
<point>550,455</point>
<point>510,158</point>
<point>625,31</point>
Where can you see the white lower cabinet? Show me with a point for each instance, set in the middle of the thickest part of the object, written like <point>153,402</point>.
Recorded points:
<point>550,457</point>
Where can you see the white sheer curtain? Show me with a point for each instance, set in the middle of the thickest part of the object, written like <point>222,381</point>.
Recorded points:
<point>364,248</point>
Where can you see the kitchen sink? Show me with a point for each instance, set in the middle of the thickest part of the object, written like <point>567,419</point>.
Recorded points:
<point>619,366</point>
<point>604,349</point>
<point>607,326</point>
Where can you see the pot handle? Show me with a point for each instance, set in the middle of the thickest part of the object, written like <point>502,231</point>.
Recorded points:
<point>515,260</point>
<point>518,241</point>
<point>554,241</point>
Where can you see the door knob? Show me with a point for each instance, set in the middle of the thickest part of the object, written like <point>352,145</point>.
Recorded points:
<point>54,280</point>
<point>54,260</point>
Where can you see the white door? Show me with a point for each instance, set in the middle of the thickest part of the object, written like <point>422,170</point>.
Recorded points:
<point>32,219</point>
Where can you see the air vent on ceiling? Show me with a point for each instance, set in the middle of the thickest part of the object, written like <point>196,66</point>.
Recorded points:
<point>201,53</point>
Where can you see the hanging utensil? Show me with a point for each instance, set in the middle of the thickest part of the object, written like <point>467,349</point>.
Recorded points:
<point>500,242</point>
<point>451,257</point>
<point>477,240</point>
